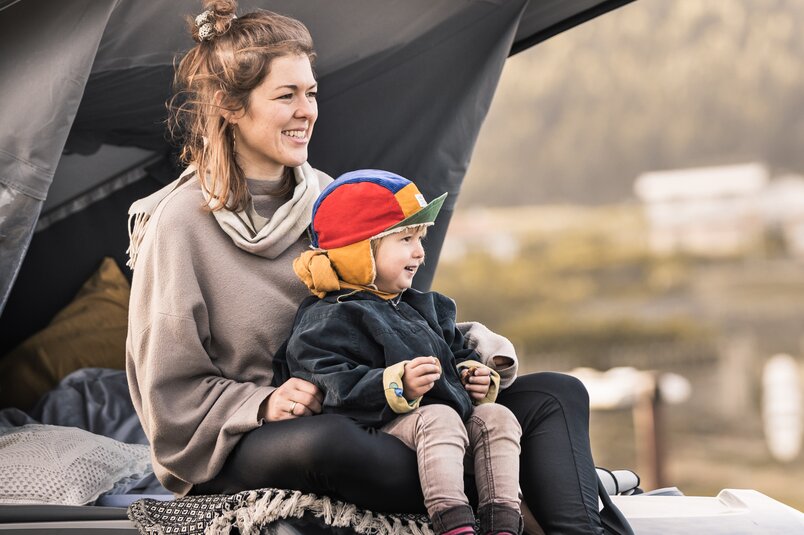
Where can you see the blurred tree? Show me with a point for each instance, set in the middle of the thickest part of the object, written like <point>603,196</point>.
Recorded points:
<point>653,85</point>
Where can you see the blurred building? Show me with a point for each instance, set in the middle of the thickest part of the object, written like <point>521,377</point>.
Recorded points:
<point>783,211</point>
<point>481,231</point>
<point>710,211</point>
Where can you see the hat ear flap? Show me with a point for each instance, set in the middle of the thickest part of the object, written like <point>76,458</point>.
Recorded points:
<point>354,263</point>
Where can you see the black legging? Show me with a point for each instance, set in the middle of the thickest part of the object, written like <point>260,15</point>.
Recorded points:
<point>332,455</point>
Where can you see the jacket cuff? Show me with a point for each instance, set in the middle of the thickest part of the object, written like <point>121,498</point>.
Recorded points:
<point>392,383</point>
<point>494,386</point>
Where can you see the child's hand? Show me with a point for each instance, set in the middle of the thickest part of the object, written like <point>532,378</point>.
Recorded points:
<point>420,375</point>
<point>476,381</point>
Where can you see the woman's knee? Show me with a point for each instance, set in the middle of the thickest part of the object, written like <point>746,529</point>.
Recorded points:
<point>566,389</point>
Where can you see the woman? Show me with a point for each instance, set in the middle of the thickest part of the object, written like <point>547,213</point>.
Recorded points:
<point>214,293</point>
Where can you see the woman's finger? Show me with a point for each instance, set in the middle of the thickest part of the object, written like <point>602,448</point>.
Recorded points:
<point>296,409</point>
<point>279,407</point>
<point>302,392</point>
<point>304,386</point>
<point>307,401</point>
<point>301,410</point>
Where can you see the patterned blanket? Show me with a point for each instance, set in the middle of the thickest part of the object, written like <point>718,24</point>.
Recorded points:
<point>251,511</point>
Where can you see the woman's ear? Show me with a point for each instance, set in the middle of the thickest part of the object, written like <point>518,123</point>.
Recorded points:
<point>230,116</point>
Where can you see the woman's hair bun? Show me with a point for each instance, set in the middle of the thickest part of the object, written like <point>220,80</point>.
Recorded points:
<point>215,20</point>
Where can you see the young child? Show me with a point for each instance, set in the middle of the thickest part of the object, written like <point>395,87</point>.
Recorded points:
<point>392,358</point>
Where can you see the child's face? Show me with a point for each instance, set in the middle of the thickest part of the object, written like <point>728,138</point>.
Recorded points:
<point>398,257</point>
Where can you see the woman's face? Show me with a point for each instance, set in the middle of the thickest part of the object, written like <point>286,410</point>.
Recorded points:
<point>275,128</point>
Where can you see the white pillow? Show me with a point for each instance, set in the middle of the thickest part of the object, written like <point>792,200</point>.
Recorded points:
<point>49,464</point>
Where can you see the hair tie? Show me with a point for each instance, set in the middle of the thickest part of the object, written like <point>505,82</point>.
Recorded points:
<point>205,22</point>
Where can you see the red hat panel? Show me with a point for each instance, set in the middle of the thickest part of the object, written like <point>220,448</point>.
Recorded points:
<point>355,212</point>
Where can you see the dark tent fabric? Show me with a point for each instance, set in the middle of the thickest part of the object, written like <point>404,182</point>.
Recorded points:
<point>41,92</point>
<point>404,86</point>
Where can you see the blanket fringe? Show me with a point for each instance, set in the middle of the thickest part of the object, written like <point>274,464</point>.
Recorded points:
<point>274,504</point>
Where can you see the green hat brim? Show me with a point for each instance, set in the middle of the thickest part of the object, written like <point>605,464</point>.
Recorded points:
<point>424,216</point>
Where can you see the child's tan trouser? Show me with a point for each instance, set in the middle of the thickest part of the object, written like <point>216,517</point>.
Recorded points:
<point>490,437</point>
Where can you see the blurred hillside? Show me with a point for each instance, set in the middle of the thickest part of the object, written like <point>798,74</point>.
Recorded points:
<point>580,286</point>
<point>652,85</point>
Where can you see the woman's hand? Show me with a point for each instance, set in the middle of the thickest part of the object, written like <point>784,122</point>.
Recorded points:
<point>293,399</point>
<point>476,381</point>
<point>420,375</point>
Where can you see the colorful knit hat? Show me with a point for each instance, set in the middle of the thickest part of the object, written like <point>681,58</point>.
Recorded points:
<point>354,209</point>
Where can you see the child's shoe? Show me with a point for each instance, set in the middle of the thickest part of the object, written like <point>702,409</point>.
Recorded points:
<point>461,530</point>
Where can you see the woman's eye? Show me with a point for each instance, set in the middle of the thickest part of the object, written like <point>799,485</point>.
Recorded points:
<point>286,96</point>
<point>312,94</point>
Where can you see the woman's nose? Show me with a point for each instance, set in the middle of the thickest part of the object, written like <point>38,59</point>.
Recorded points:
<point>307,108</point>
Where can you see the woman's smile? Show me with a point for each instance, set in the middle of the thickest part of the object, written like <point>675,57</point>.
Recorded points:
<point>275,129</point>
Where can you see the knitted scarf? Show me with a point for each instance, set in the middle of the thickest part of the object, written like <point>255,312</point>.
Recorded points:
<point>265,237</point>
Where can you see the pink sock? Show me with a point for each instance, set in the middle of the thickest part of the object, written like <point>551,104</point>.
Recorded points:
<point>461,530</point>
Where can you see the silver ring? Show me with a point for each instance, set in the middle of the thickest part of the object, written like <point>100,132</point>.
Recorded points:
<point>292,407</point>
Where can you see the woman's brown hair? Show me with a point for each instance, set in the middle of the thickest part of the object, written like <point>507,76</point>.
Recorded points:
<point>215,78</point>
